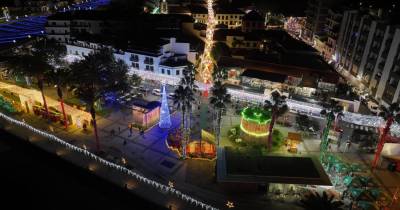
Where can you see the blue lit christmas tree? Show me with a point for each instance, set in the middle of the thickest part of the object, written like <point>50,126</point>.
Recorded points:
<point>165,119</point>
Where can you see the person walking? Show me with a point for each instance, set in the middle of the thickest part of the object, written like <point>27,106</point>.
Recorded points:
<point>130,130</point>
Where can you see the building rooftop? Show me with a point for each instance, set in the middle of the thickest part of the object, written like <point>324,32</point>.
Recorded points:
<point>228,10</point>
<point>273,77</point>
<point>235,166</point>
<point>172,62</point>
<point>253,16</point>
<point>198,10</point>
<point>149,105</point>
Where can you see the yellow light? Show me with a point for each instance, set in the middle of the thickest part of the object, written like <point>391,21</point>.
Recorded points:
<point>171,184</point>
<point>252,133</point>
<point>230,204</point>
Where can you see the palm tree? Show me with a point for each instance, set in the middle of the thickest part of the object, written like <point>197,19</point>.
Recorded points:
<point>179,102</point>
<point>30,66</point>
<point>61,78</point>
<point>219,99</point>
<point>331,112</point>
<point>183,100</point>
<point>99,73</point>
<point>277,106</point>
<point>314,201</point>
<point>390,115</point>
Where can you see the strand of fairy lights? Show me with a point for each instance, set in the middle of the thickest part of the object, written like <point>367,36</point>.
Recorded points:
<point>314,110</point>
<point>137,176</point>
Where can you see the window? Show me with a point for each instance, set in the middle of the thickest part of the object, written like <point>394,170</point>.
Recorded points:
<point>83,54</point>
<point>177,72</point>
<point>135,65</point>
<point>168,72</point>
<point>162,71</point>
<point>53,23</point>
<point>134,58</point>
<point>149,60</point>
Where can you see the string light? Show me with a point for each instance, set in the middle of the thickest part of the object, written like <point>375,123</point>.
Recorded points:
<point>207,63</point>
<point>107,163</point>
<point>230,204</point>
<point>314,110</point>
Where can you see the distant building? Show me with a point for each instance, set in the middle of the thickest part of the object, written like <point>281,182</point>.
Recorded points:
<point>62,26</point>
<point>231,17</point>
<point>368,49</point>
<point>252,21</point>
<point>316,14</point>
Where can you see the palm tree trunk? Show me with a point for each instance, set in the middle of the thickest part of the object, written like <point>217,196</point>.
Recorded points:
<point>271,127</point>
<point>93,113</point>
<point>40,84</point>
<point>381,142</point>
<point>183,133</point>
<point>324,139</point>
<point>60,95</point>
<point>218,130</point>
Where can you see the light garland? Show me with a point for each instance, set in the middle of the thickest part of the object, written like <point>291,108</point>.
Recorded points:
<point>207,63</point>
<point>253,133</point>
<point>138,177</point>
<point>314,110</point>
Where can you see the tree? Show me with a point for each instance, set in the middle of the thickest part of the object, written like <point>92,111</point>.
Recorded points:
<point>219,99</point>
<point>314,201</point>
<point>277,106</point>
<point>97,74</point>
<point>303,122</point>
<point>134,80</point>
<point>61,78</point>
<point>30,66</point>
<point>390,115</point>
<point>183,100</point>
<point>331,112</point>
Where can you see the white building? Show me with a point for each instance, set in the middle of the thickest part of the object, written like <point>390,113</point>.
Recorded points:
<point>368,48</point>
<point>163,64</point>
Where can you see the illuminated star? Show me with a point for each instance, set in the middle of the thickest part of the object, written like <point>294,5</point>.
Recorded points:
<point>170,184</point>
<point>230,205</point>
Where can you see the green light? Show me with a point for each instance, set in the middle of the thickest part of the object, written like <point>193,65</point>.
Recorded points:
<point>257,115</point>
<point>252,133</point>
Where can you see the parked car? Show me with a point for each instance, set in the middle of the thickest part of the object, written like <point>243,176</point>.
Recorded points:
<point>156,92</point>
<point>171,95</point>
<point>143,89</point>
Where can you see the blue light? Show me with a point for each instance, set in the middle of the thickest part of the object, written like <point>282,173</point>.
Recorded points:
<point>165,118</point>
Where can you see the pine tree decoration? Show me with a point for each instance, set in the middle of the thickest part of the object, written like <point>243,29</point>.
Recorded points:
<point>165,119</point>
